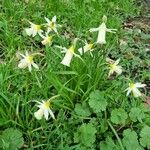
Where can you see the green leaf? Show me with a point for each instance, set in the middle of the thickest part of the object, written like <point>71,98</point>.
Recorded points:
<point>82,110</point>
<point>119,116</point>
<point>82,147</point>
<point>108,144</point>
<point>85,135</point>
<point>130,140</point>
<point>97,101</point>
<point>103,126</point>
<point>145,137</point>
<point>11,139</point>
<point>136,114</point>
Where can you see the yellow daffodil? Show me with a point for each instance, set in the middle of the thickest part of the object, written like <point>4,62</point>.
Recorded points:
<point>114,67</point>
<point>133,87</point>
<point>44,110</point>
<point>86,47</point>
<point>102,29</point>
<point>27,61</point>
<point>51,25</point>
<point>33,30</point>
<point>68,53</point>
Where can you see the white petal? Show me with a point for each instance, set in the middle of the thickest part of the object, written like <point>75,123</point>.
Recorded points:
<point>55,30</point>
<point>67,59</point>
<point>139,85</point>
<point>129,91</point>
<point>34,33</point>
<point>136,92</point>
<point>46,114</point>
<point>40,32</point>
<point>94,29</point>
<point>81,50</point>
<point>84,49</point>
<point>39,114</point>
<point>32,24</point>
<point>110,72</point>
<point>109,60</point>
<point>49,30</point>
<point>59,25</point>
<point>111,30</point>
<point>23,64</point>
<point>22,55</point>
<point>42,36</point>
<point>27,54</point>
<point>30,68</point>
<point>117,61</point>
<point>54,19</point>
<point>48,21</point>
<point>118,70</point>
<point>43,102</point>
<point>29,31</point>
<point>60,47</point>
<point>35,65</point>
<point>51,113</point>
<point>40,104</point>
<point>44,42</point>
<point>102,34</point>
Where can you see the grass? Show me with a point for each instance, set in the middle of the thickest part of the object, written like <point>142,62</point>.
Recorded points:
<point>20,87</point>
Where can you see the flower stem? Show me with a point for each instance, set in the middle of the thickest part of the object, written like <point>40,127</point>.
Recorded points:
<point>115,133</point>
<point>53,97</point>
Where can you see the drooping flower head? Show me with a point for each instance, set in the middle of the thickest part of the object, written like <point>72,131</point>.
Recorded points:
<point>68,53</point>
<point>114,67</point>
<point>27,61</point>
<point>47,39</point>
<point>133,87</point>
<point>33,30</point>
<point>87,47</point>
<point>52,25</point>
<point>44,109</point>
<point>102,29</point>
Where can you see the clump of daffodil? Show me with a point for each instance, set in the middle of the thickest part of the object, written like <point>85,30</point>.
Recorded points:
<point>87,47</point>
<point>102,29</point>
<point>33,30</point>
<point>68,53</point>
<point>47,40</point>
<point>27,61</point>
<point>52,25</point>
<point>133,87</point>
<point>114,67</point>
<point>44,109</point>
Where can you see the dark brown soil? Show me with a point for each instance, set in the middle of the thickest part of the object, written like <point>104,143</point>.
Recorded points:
<point>143,20</point>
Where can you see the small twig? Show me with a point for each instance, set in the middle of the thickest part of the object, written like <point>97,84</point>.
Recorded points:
<point>120,128</point>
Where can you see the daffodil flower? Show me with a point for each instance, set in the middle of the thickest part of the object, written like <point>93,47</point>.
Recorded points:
<point>68,56</point>
<point>114,67</point>
<point>102,29</point>
<point>27,61</point>
<point>69,53</point>
<point>51,25</point>
<point>86,47</point>
<point>33,30</point>
<point>47,40</point>
<point>44,110</point>
<point>133,87</point>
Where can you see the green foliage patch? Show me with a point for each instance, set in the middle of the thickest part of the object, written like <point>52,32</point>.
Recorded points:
<point>101,101</point>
